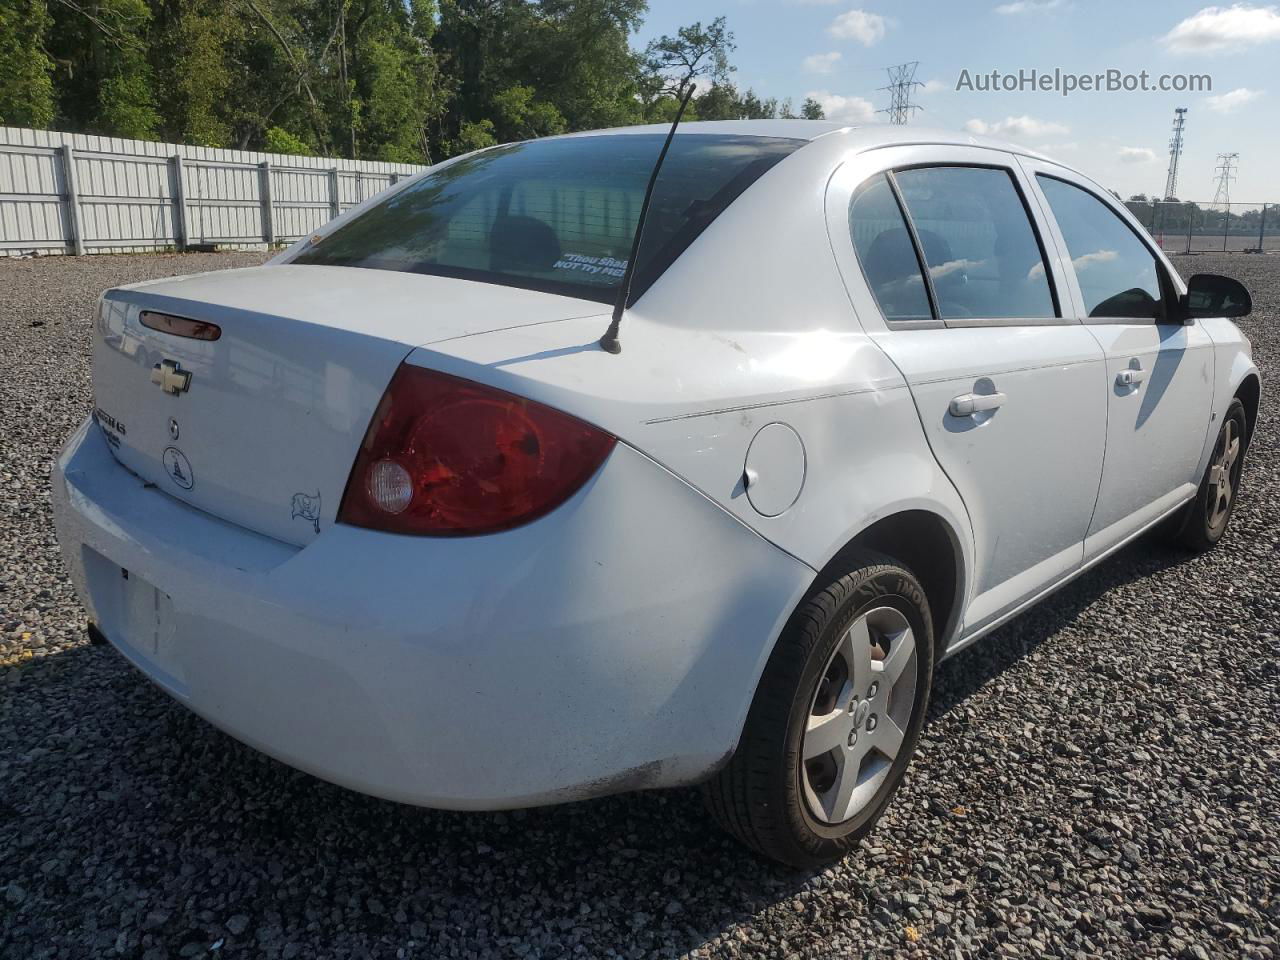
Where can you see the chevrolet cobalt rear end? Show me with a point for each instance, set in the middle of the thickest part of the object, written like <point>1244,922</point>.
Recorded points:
<point>385,508</point>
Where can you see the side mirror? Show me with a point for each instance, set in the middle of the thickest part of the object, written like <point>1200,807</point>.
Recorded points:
<point>1210,295</point>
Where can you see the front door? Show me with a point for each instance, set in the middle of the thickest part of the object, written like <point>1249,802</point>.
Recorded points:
<point>1008,389</point>
<point>1159,372</point>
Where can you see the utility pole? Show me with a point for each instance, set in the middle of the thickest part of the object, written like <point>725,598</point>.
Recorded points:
<point>1175,153</point>
<point>1225,171</point>
<point>902,79</point>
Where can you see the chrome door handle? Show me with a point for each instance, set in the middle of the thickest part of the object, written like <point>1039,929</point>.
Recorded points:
<point>1131,377</point>
<point>971,403</point>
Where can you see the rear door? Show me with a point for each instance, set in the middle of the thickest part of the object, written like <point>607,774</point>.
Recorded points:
<point>1009,388</point>
<point>1159,372</point>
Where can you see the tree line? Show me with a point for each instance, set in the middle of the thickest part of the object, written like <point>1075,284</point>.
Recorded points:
<point>401,80</point>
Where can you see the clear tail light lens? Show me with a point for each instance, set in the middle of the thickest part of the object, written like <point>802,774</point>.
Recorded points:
<point>449,457</point>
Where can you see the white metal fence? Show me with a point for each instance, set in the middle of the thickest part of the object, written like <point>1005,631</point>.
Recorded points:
<point>77,194</point>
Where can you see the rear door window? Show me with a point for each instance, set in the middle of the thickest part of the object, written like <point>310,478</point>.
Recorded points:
<point>1116,271</point>
<point>885,250</point>
<point>556,215</point>
<point>983,256</point>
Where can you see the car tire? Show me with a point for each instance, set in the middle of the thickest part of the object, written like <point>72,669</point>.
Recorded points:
<point>1206,517</point>
<point>835,719</point>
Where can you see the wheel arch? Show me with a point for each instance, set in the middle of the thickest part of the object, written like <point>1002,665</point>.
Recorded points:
<point>923,536</point>
<point>1249,393</point>
<point>926,544</point>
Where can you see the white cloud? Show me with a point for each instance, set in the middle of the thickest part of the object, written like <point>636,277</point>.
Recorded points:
<point>867,28</point>
<point>1137,154</point>
<point>844,109</point>
<point>1224,28</point>
<point>1023,126</point>
<point>952,266</point>
<point>821,62</point>
<point>1232,100</point>
<point>1027,6</point>
<point>1084,261</point>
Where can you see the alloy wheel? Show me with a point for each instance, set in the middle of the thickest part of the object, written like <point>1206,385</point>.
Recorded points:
<point>859,715</point>
<point>1223,474</point>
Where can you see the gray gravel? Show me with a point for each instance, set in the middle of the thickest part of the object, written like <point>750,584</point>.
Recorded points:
<point>1100,778</point>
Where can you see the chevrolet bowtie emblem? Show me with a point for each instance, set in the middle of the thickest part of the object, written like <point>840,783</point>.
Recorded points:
<point>171,377</point>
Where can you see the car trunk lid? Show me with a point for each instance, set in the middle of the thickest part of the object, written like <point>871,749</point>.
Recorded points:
<point>260,427</point>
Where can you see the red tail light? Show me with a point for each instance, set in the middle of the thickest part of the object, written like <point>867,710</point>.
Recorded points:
<point>449,457</point>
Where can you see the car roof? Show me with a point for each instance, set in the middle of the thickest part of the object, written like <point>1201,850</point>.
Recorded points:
<point>792,129</point>
<point>859,136</point>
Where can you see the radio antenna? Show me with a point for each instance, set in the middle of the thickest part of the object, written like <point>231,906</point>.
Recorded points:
<point>610,342</point>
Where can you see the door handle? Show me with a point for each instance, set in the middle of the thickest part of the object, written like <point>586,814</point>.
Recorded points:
<point>1131,377</point>
<point>971,403</point>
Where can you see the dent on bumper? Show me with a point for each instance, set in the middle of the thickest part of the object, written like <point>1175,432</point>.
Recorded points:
<point>612,645</point>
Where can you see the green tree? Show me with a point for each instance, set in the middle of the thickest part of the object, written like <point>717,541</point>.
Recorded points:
<point>753,108</point>
<point>719,102</point>
<point>395,84</point>
<point>125,107</point>
<point>579,58</point>
<point>353,77</point>
<point>197,56</point>
<point>671,64</point>
<point>475,136</point>
<point>531,67</point>
<point>723,101</point>
<point>278,140</point>
<point>520,116</point>
<point>403,80</point>
<point>26,87</point>
<point>102,77</point>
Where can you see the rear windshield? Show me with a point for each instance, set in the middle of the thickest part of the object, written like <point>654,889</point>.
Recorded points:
<point>555,215</point>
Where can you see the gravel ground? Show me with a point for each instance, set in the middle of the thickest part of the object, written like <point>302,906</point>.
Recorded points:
<point>1100,778</point>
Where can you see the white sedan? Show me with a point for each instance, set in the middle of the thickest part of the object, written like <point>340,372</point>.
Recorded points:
<point>385,508</point>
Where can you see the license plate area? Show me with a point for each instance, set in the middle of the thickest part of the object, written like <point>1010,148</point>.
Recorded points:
<point>150,621</point>
<point>137,617</point>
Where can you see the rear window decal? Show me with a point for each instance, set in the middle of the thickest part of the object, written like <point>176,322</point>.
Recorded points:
<point>602,265</point>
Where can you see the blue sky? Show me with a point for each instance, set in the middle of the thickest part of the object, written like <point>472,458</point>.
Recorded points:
<point>837,50</point>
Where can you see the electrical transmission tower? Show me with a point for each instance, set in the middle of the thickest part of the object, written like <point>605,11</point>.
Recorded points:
<point>1225,172</point>
<point>902,80</point>
<point>1175,153</point>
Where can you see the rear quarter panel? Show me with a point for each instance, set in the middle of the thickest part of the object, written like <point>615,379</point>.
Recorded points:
<point>751,326</point>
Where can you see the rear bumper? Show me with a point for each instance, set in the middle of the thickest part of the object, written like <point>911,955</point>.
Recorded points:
<point>612,645</point>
